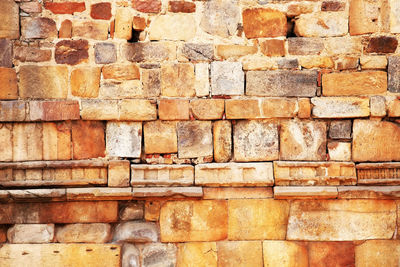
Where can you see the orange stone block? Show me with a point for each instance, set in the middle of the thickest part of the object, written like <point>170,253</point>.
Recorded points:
<point>264,22</point>
<point>88,139</point>
<point>8,84</point>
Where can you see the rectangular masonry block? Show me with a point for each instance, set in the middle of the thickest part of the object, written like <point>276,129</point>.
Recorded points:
<point>378,253</point>
<point>314,173</point>
<point>124,139</point>
<point>240,253</point>
<point>99,193</point>
<point>285,253</point>
<point>161,175</point>
<point>340,107</point>
<point>234,174</point>
<point>54,110</point>
<point>12,110</point>
<point>341,220</point>
<point>119,173</point>
<point>384,173</point>
<point>237,192</point>
<point>88,139</point>
<point>362,192</point>
<point>305,192</point>
<point>167,192</point>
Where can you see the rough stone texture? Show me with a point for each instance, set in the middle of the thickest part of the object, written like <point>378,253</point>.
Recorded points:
<point>394,74</point>
<point>101,11</point>
<point>71,52</point>
<point>273,48</point>
<point>222,134</point>
<point>202,84</point>
<point>243,253</point>
<point>235,51</point>
<point>65,30</point>
<point>124,139</point>
<point>12,111</point>
<point>43,81</point>
<point>333,6</point>
<point>97,30</point>
<point>207,109</point>
<point>38,28</point>
<point>181,6</point>
<point>261,108</point>
<point>393,108</point>
<point>381,252</point>
<point>173,27</point>
<point>30,233</point>
<point>305,46</point>
<point>331,254</point>
<point>53,110</point>
<point>393,16</point>
<point>197,254</point>
<point>177,80</point>
<point>31,54</point>
<point>368,192</point>
<point>132,211</point>
<point>375,141</point>
<point>302,140</point>
<point>340,107</point>
<point>160,137</point>
<point>255,219</point>
<point>149,51</point>
<point>130,256</point>
<point>137,110</point>
<point>88,139</point>
<point>151,79</point>
<point>99,109</point>
<point>147,6</point>
<point>255,141</point>
<point>339,151</point>
<point>85,82</point>
<point>322,24</point>
<point>237,192</point>
<point>340,129</point>
<point>378,106</point>
<point>118,173</point>
<point>160,175</point>
<point>9,83</point>
<point>205,220</point>
<point>65,7</point>
<point>10,13</point>
<point>262,22</point>
<point>285,254</point>
<point>158,254</point>
<point>194,139</point>
<point>381,45</point>
<point>173,109</point>
<point>121,72</point>
<point>314,173</point>
<point>305,192</point>
<point>347,220</point>
<point>83,233</point>
<point>363,17</point>
<point>234,174</point>
<point>281,83</point>
<point>105,53</point>
<point>136,232</point>
<point>373,62</point>
<point>220,18</point>
<point>6,54</point>
<point>227,78</point>
<point>123,24</point>
<point>354,83</point>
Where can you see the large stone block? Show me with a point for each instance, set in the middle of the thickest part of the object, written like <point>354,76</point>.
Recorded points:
<point>85,82</point>
<point>136,232</point>
<point>65,7</point>
<point>88,139</point>
<point>375,141</point>
<point>227,78</point>
<point>173,27</point>
<point>38,28</point>
<point>240,253</point>
<point>173,109</point>
<point>27,141</point>
<point>97,30</point>
<point>354,83</point>
<point>340,107</point>
<point>124,139</point>
<point>118,173</point>
<point>149,51</point>
<point>161,175</point>
<point>43,81</point>
<point>204,220</point>
<point>53,110</point>
<point>30,233</point>
<point>394,74</point>
<point>302,140</point>
<point>255,141</point>
<point>363,17</point>
<point>303,46</point>
<point>137,110</point>
<point>197,52</point>
<point>158,254</point>
<point>264,22</point>
<point>341,220</point>
<point>123,23</point>
<point>200,254</point>
<point>71,52</point>
<point>314,173</point>
<point>83,233</point>
<point>6,54</point>
<point>234,174</point>
<point>281,83</point>
<point>194,139</point>
<point>160,137</point>
<point>8,84</point>
<point>57,141</point>
<point>177,80</point>
<point>378,253</point>
<point>12,110</point>
<point>222,134</point>
<point>394,16</point>
<point>99,109</point>
<point>378,173</point>
<point>285,254</point>
<point>322,24</point>
<point>9,29</point>
<point>6,135</point>
<point>255,219</point>
<point>322,254</point>
<point>207,109</point>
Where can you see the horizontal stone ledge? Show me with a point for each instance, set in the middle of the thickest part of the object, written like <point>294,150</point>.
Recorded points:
<point>167,192</point>
<point>58,194</point>
<point>41,183</point>
<point>363,192</point>
<point>383,173</point>
<point>53,164</point>
<point>99,193</point>
<point>305,192</point>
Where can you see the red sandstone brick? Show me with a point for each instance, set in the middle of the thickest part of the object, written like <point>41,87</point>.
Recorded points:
<point>181,6</point>
<point>88,139</point>
<point>65,7</point>
<point>173,109</point>
<point>65,29</point>
<point>8,84</point>
<point>54,110</point>
<point>101,11</point>
<point>147,6</point>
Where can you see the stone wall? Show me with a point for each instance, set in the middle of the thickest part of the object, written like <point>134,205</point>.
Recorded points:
<point>160,133</point>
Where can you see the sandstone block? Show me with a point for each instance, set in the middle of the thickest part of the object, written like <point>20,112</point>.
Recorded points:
<point>281,83</point>
<point>105,53</point>
<point>97,109</point>
<point>97,30</point>
<point>378,106</point>
<point>201,254</point>
<point>288,63</point>
<point>264,22</point>
<point>273,48</point>
<point>393,108</point>
<point>373,62</point>
<point>243,253</point>
<point>195,51</point>
<point>284,253</point>
<point>173,27</point>
<point>32,54</point>
<point>227,78</point>
<point>331,253</point>
<point>71,52</point>
<point>220,18</point>
<point>194,139</point>
<point>381,252</point>
<point>322,24</point>
<point>161,175</point>
<point>222,141</point>
<point>314,173</point>
<point>43,81</point>
<point>88,139</point>
<point>118,173</point>
<point>313,62</point>
<point>363,17</point>
<point>124,139</point>
<point>177,80</point>
<point>123,23</point>
<point>202,83</point>
<point>339,151</point>
<point>234,174</point>
<point>101,11</point>
<point>158,254</point>
<point>131,211</point>
<point>167,192</point>
<point>204,220</point>
<point>255,141</point>
<point>354,220</point>
<point>181,6</point>
<point>85,82</point>
<point>375,141</point>
<point>394,21</point>
<point>303,46</point>
<point>9,83</point>
<point>147,6</point>
<point>235,51</point>
<point>121,72</point>
<point>6,54</point>
<point>173,109</point>
<point>368,192</point>
<point>254,219</point>
<point>65,7</point>
<point>354,83</point>
<point>160,137</point>
<point>99,193</point>
<point>9,29</point>
<point>83,233</point>
<point>305,192</point>
<point>65,30</point>
<point>57,141</point>
<point>6,150</point>
<point>378,173</point>
<point>237,192</point>
<point>38,28</point>
<point>27,141</point>
<point>381,45</point>
<point>149,51</point>
<point>340,129</point>
<point>139,23</point>
<point>340,107</point>
<point>137,232</point>
<point>151,79</point>
<point>137,110</point>
<point>302,140</point>
<point>130,256</point>
<point>30,233</point>
<point>207,109</point>
<point>333,6</point>
<point>394,74</point>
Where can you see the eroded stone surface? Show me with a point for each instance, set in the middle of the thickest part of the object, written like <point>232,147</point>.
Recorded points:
<point>263,22</point>
<point>136,232</point>
<point>124,139</point>
<point>227,78</point>
<point>285,254</point>
<point>83,233</point>
<point>30,233</point>
<point>240,253</point>
<point>194,139</point>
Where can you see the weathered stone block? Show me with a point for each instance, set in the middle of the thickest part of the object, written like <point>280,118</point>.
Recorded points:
<point>130,256</point>
<point>72,52</point>
<point>204,220</point>
<point>380,252</point>
<point>378,106</point>
<point>305,192</point>
<point>177,80</point>
<point>201,254</point>
<point>354,83</point>
<point>124,139</point>
<point>9,29</point>
<point>243,253</point>
<point>98,109</point>
<point>234,174</point>
<point>375,141</point>
<point>394,74</point>
<point>255,219</point>
<point>352,220</point>
<point>97,30</point>
<point>173,27</point>
<point>340,129</point>
<point>30,233</point>
<point>237,192</point>
<point>207,109</point>
<point>27,141</point>
<point>303,46</point>
<point>137,110</point>
<point>161,175</point>
<point>263,22</point>
<point>331,253</point>
<point>167,192</point>
<point>99,193</point>
<point>363,17</point>
<point>255,141</point>
<point>101,11</point>
<point>65,7</point>
<point>131,211</point>
<point>38,28</point>
<point>65,30</point>
<point>368,192</point>
<point>173,109</point>
<point>373,62</point>
<point>235,51</point>
<point>150,51</point>
<point>83,233</point>
<point>378,173</point>
<point>381,45</point>
<point>8,84</point>
<point>6,150</point>
<point>158,254</point>
<point>202,83</point>
<point>105,53</point>
<point>340,107</point>
<point>151,79</point>
<point>222,134</point>
<point>137,232</point>
<point>118,173</point>
<point>285,254</point>
<point>314,173</point>
<point>194,139</point>
<point>339,151</point>
<point>56,141</point>
<point>123,23</point>
<point>32,54</point>
<point>322,24</point>
<point>181,6</point>
<point>281,83</point>
<point>88,139</point>
<point>85,82</point>
<point>333,6</point>
<point>302,140</point>
<point>43,81</point>
<point>6,54</point>
<point>273,48</point>
<point>160,137</point>
<point>227,78</point>
<point>12,110</point>
<point>147,6</point>
<point>121,72</point>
